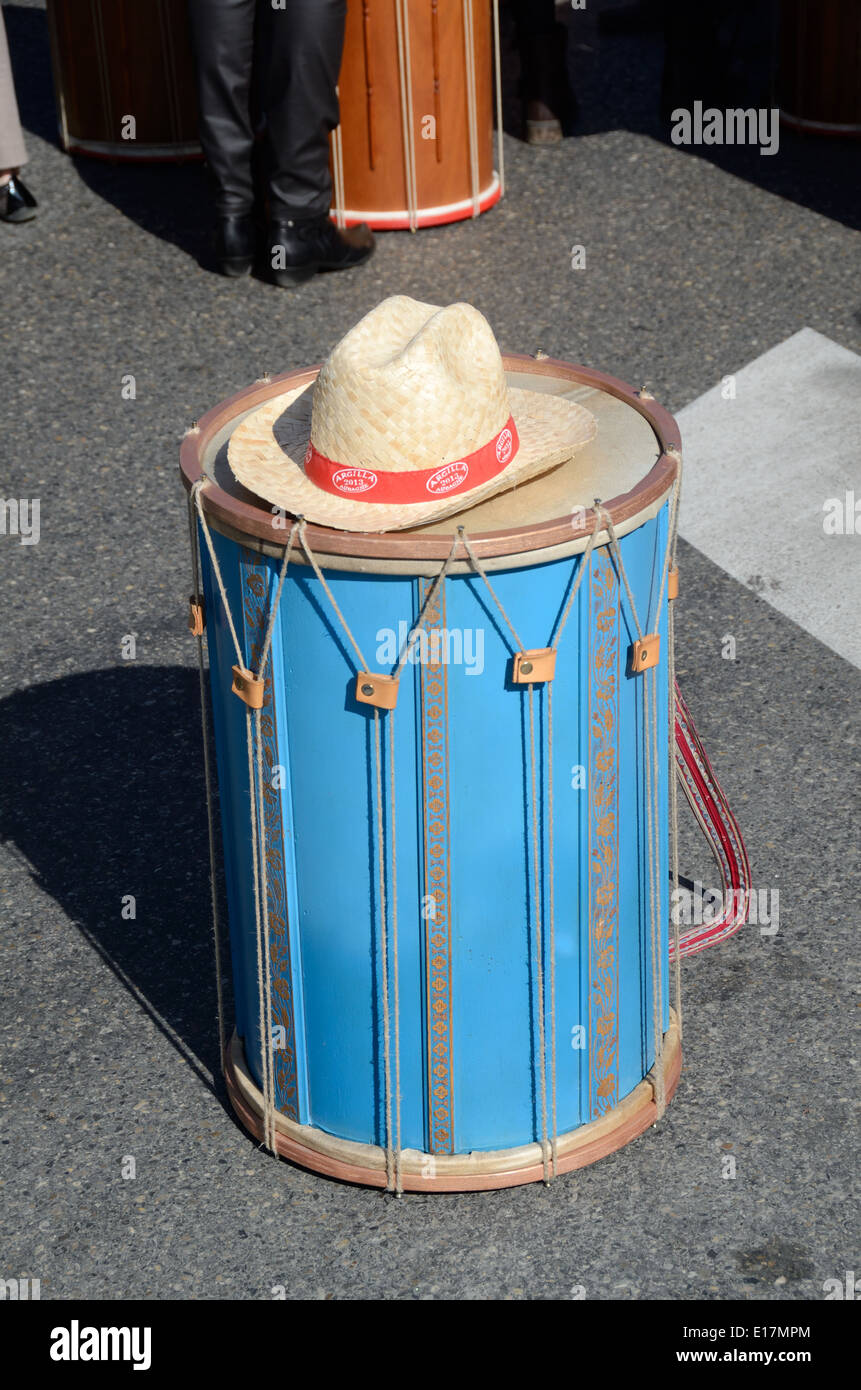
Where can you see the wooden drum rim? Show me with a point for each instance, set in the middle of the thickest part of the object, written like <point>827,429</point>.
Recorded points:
<point>237,515</point>
<point>475,1171</point>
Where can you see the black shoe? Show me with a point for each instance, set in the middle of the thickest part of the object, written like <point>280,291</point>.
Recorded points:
<point>297,250</point>
<point>235,244</point>
<point>17,203</point>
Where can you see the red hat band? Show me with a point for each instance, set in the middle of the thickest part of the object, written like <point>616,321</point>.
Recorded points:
<point>422,485</point>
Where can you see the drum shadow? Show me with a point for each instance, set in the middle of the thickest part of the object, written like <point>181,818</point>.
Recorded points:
<point>27,33</point>
<point>170,200</point>
<point>724,56</point>
<point>104,797</point>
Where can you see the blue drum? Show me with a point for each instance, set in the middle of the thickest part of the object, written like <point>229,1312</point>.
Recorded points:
<point>448,931</point>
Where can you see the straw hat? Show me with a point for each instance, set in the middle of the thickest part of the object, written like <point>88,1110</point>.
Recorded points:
<point>409,420</point>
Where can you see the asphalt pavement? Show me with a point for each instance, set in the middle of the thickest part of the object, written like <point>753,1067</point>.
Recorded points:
<point>695,266</point>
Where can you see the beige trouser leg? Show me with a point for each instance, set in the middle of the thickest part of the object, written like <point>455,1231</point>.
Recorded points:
<point>12,151</point>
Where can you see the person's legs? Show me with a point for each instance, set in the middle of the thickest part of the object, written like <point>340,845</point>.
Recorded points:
<point>548,102</point>
<point>534,17</point>
<point>17,203</point>
<point>222,34</point>
<point>304,41</point>
<point>12,149</point>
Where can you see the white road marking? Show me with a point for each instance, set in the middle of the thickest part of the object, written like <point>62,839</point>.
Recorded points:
<point>759,470</point>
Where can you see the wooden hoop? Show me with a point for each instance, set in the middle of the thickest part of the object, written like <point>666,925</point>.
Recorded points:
<point>241,513</point>
<point>366,1163</point>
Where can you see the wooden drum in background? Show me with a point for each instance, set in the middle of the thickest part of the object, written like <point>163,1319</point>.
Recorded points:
<point>115,59</point>
<point>468,801</point>
<point>820,66</point>
<point>415,143</point>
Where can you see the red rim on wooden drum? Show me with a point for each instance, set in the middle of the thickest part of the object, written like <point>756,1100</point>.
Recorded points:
<point>119,59</point>
<point>415,144</point>
<point>467,974</point>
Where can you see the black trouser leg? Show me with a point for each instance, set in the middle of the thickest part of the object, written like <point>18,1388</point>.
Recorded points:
<point>534,17</point>
<point>223,40</point>
<point>542,42</point>
<point>303,42</point>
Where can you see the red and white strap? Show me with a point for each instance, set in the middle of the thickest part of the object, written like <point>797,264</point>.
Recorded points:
<point>719,825</point>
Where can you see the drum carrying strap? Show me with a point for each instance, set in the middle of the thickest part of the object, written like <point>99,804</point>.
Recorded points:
<point>719,825</point>
<point>705,798</point>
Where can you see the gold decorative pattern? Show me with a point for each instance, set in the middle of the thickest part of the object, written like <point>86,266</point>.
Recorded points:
<point>436,908</point>
<point>255,607</point>
<point>603,835</point>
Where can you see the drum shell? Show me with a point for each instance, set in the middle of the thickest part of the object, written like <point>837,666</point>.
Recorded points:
<point>469,1040</point>
<point>116,58</point>
<point>372,103</point>
<point>820,66</point>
